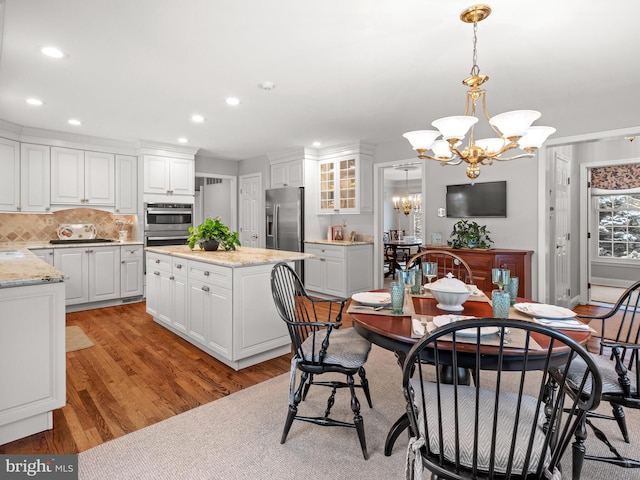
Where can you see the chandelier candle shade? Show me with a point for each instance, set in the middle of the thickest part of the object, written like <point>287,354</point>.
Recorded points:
<point>405,204</point>
<point>513,128</point>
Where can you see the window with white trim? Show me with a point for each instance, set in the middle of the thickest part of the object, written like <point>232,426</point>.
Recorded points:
<point>618,219</point>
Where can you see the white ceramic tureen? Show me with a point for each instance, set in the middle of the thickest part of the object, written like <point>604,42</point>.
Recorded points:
<point>450,292</point>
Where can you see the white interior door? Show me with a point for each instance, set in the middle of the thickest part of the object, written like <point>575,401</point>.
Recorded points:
<point>562,259</point>
<point>251,211</point>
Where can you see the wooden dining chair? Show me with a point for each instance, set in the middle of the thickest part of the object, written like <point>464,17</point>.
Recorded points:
<point>448,262</point>
<point>619,366</point>
<point>510,423</point>
<point>320,346</point>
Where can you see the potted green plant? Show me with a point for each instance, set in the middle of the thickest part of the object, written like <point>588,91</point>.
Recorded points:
<point>213,234</point>
<point>468,234</point>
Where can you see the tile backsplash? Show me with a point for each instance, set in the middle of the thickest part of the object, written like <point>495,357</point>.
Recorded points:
<point>23,227</point>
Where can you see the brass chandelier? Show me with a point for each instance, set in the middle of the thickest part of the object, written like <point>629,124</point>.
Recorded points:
<point>513,128</point>
<point>408,202</point>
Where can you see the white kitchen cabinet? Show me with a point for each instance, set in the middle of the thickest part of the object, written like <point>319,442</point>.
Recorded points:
<point>287,174</point>
<point>168,176</point>
<point>32,353</point>
<point>45,254</point>
<point>94,273</point>
<point>210,306</point>
<point>82,178</point>
<point>339,270</point>
<point>345,181</point>
<point>35,178</point>
<point>131,268</point>
<point>9,175</point>
<point>126,184</point>
<point>167,290</point>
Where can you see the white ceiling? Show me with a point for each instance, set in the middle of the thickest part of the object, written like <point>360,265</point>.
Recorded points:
<point>344,70</point>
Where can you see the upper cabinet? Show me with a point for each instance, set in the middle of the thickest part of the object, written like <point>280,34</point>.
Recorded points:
<point>345,180</point>
<point>126,184</point>
<point>169,176</point>
<point>287,174</point>
<point>9,175</point>
<point>82,178</point>
<point>35,178</point>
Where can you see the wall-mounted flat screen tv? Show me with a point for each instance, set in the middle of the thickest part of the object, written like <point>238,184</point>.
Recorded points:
<point>487,199</point>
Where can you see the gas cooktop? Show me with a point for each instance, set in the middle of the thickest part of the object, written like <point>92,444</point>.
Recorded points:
<point>81,240</point>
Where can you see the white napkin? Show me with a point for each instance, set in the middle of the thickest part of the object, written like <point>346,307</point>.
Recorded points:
<point>418,328</point>
<point>571,324</point>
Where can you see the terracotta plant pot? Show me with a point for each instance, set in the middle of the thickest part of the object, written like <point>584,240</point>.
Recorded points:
<point>210,245</point>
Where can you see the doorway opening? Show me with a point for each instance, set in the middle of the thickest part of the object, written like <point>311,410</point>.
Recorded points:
<point>216,196</point>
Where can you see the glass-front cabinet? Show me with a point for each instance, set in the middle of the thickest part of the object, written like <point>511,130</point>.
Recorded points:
<point>345,183</point>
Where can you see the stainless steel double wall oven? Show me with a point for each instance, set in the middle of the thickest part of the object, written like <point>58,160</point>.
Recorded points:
<point>167,223</point>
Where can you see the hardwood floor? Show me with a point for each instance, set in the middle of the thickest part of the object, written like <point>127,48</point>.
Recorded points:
<point>137,374</point>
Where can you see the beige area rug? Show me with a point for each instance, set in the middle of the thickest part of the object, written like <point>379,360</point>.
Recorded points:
<point>238,437</point>
<point>76,339</point>
<point>604,294</point>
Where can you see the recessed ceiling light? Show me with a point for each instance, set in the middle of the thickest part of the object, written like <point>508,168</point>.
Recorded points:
<point>183,140</point>
<point>53,52</point>
<point>197,118</point>
<point>232,101</point>
<point>316,144</point>
<point>75,122</point>
<point>266,85</point>
<point>36,102</point>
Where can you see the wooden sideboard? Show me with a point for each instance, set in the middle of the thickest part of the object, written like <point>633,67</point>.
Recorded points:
<point>482,261</point>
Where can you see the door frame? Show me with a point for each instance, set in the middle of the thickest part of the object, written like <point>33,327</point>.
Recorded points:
<point>378,218</point>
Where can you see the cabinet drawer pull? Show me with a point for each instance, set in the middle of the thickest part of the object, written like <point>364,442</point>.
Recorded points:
<point>156,273</point>
<point>47,208</point>
<point>132,252</point>
<point>158,260</point>
<point>179,266</point>
<point>205,288</point>
<point>322,259</point>
<point>206,274</point>
<point>172,277</point>
<point>89,250</point>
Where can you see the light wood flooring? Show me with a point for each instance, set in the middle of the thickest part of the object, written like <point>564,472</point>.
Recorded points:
<point>137,374</point>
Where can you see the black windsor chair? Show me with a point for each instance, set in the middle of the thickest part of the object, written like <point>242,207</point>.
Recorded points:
<point>319,346</point>
<point>510,424</point>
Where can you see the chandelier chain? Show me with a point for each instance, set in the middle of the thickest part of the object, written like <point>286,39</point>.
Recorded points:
<point>475,69</point>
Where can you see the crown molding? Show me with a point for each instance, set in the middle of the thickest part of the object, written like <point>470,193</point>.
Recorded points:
<point>149,147</point>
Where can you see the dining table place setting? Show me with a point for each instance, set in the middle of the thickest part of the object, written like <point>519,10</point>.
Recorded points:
<point>421,324</point>
<point>379,303</point>
<point>554,316</point>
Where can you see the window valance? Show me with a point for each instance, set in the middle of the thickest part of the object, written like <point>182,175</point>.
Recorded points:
<point>616,177</point>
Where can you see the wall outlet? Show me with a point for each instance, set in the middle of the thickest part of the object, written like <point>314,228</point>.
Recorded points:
<point>436,238</point>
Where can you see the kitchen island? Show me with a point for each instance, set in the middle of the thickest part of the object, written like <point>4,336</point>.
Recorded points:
<point>219,301</point>
<point>32,344</point>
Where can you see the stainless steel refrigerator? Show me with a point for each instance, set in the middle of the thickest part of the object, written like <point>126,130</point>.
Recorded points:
<point>285,221</point>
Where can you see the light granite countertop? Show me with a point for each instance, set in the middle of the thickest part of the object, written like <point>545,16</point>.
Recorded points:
<point>344,243</point>
<point>19,267</point>
<point>242,257</point>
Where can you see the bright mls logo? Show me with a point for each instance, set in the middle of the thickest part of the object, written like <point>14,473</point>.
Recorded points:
<point>58,467</point>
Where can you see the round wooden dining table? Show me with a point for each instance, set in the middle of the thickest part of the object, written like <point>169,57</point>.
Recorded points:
<point>394,245</point>
<point>393,332</point>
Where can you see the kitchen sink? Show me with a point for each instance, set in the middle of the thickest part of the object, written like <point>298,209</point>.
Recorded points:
<point>10,253</point>
<point>81,240</point>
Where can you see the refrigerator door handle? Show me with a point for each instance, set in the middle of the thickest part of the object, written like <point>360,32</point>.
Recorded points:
<point>276,220</point>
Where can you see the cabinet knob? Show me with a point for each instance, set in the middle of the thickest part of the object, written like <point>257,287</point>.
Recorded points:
<point>172,277</point>
<point>18,208</point>
<point>88,250</point>
<point>157,260</point>
<point>179,265</point>
<point>205,288</point>
<point>156,273</point>
<point>47,208</point>
<point>132,252</point>
<point>122,262</point>
<point>206,274</point>
<point>117,210</point>
<point>322,259</point>
<point>50,253</point>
